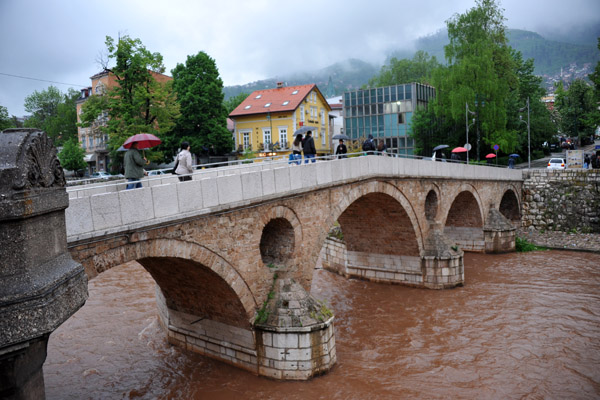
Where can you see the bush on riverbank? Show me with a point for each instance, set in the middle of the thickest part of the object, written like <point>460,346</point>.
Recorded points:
<point>522,245</point>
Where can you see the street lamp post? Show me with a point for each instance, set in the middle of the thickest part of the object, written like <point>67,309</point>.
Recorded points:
<point>528,133</point>
<point>467,112</point>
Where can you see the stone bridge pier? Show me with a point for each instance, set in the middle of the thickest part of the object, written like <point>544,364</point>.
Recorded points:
<point>40,284</point>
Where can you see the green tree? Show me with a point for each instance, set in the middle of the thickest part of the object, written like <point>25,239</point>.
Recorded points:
<point>480,73</point>
<point>138,103</point>
<point>595,79</point>
<point>231,103</point>
<point>5,120</point>
<point>419,69</point>
<point>203,121</point>
<point>576,109</point>
<point>42,106</point>
<point>53,112</point>
<point>542,129</point>
<point>71,156</point>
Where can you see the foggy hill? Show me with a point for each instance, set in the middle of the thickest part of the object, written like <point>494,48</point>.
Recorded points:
<point>549,57</point>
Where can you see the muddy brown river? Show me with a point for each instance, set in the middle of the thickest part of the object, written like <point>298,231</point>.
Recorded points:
<point>524,326</point>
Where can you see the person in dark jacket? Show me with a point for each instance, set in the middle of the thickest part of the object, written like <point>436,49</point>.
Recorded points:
<point>134,167</point>
<point>308,148</point>
<point>341,150</point>
<point>369,146</point>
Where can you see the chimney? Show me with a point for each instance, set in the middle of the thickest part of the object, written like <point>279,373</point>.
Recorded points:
<point>279,85</point>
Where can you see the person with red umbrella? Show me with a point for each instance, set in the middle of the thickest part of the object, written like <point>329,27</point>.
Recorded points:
<point>134,166</point>
<point>134,161</point>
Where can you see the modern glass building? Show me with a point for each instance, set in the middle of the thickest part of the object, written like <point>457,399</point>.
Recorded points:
<point>385,112</point>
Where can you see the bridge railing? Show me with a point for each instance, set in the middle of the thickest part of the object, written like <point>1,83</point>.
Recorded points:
<point>212,170</point>
<point>167,199</point>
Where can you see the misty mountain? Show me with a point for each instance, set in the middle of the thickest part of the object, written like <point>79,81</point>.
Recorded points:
<point>549,57</point>
<point>339,77</point>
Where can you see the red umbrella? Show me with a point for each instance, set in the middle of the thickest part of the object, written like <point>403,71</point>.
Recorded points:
<point>144,141</point>
<point>459,150</point>
<point>491,155</point>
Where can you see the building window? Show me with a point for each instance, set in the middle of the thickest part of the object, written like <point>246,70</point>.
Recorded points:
<point>285,103</point>
<point>267,139</point>
<point>323,139</point>
<point>313,112</point>
<point>268,105</point>
<point>246,139</point>
<point>258,96</point>
<point>100,89</point>
<point>301,113</point>
<point>295,92</point>
<point>247,107</point>
<point>400,118</point>
<point>283,137</point>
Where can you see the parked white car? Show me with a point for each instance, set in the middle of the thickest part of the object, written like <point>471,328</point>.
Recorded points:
<point>557,163</point>
<point>101,175</point>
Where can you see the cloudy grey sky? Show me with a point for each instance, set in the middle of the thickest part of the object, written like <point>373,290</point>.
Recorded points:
<point>60,40</point>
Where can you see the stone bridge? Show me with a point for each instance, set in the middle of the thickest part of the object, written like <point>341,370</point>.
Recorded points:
<point>233,251</point>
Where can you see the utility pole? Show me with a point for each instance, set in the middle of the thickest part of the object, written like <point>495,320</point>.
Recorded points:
<point>528,133</point>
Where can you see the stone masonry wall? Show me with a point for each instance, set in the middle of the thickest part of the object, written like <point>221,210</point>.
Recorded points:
<point>565,200</point>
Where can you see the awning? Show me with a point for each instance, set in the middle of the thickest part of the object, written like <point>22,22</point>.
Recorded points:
<point>89,158</point>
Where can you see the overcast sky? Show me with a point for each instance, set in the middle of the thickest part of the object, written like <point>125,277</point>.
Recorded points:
<point>60,40</point>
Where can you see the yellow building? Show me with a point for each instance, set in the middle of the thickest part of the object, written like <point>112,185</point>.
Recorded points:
<point>266,120</point>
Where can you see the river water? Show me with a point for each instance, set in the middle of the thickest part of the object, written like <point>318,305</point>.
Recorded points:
<point>524,326</point>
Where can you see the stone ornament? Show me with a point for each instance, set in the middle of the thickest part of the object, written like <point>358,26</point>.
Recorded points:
<point>35,160</point>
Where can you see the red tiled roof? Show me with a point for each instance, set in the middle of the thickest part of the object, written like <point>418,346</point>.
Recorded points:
<point>286,98</point>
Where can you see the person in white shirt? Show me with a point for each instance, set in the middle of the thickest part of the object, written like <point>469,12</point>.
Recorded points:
<point>184,163</point>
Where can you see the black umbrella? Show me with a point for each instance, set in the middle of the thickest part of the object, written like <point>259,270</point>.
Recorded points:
<point>304,129</point>
<point>340,136</point>
<point>514,155</point>
<point>440,147</point>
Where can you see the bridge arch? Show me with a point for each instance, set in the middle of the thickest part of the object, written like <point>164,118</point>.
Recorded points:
<point>395,212</point>
<point>281,235</point>
<point>464,219</point>
<point>465,202</point>
<point>510,206</point>
<point>432,203</point>
<point>164,257</point>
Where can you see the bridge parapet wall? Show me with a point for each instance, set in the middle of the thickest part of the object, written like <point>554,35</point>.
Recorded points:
<point>93,214</point>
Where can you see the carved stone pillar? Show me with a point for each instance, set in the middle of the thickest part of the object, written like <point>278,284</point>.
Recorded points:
<point>441,261</point>
<point>499,234</point>
<point>40,285</point>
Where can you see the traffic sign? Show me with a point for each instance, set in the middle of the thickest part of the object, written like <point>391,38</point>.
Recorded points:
<point>496,147</point>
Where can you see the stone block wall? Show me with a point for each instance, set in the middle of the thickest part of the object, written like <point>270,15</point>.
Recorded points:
<point>213,339</point>
<point>499,241</point>
<point>297,355</point>
<point>371,266</point>
<point>443,273</point>
<point>467,238</point>
<point>333,256</point>
<point>561,200</point>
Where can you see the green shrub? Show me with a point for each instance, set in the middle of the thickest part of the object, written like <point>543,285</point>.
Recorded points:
<point>522,245</point>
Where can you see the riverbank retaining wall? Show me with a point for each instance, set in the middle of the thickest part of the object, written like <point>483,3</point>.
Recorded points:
<point>561,200</point>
